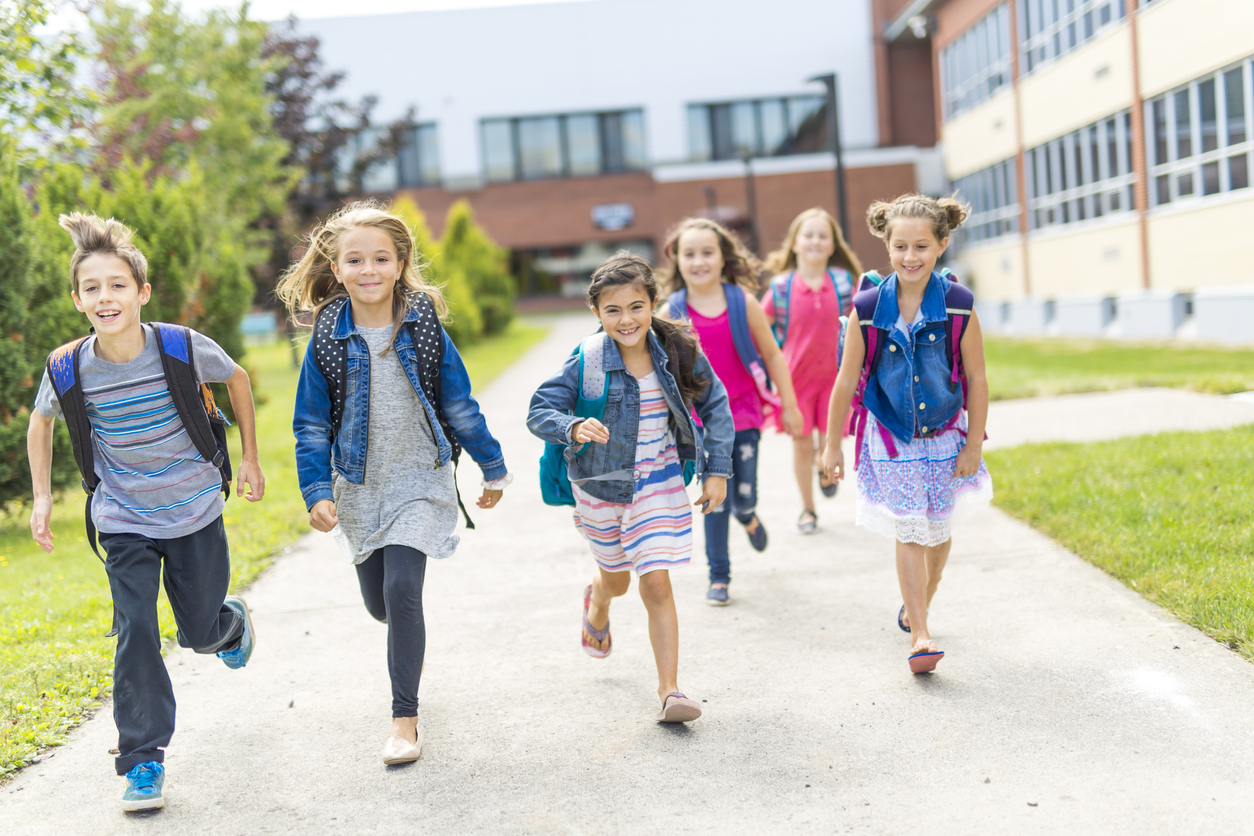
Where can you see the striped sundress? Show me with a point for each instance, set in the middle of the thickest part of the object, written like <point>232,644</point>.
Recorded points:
<point>654,531</point>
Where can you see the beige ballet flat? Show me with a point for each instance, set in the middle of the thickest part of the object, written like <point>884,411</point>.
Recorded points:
<point>399,750</point>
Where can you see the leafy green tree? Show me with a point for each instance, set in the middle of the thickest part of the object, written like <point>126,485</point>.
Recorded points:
<point>468,248</point>
<point>16,374</point>
<point>465,323</point>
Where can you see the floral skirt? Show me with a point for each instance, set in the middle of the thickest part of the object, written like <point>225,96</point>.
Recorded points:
<point>914,497</point>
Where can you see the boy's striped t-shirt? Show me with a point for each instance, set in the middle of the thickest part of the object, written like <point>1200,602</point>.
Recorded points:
<point>153,482</point>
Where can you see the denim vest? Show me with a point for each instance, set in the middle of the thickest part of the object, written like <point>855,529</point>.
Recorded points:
<point>550,419</point>
<point>910,391</point>
<point>317,452</point>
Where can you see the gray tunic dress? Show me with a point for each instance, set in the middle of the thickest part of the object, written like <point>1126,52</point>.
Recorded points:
<point>404,499</point>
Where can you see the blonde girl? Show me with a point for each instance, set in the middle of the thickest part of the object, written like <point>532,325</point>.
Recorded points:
<point>712,283</point>
<point>918,456</point>
<point>383,395</point>
<point>814,275</point>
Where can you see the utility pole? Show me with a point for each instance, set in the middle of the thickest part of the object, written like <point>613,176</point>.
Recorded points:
<point>830,81</point>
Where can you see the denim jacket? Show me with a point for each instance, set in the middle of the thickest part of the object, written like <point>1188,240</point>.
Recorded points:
<point>317,452</point>
<point>550,418</point>
<point>910,392</point>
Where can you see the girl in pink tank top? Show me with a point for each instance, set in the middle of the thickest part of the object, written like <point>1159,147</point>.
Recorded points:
<point>711,273</point>
<point>818,270</point>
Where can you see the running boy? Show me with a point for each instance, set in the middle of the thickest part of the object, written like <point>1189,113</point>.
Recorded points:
<point>156,496</point>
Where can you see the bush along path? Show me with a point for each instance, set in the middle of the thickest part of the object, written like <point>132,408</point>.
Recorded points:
<point>1066,702</point>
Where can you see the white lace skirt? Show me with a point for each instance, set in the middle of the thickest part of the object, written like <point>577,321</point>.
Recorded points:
<point>914,497</point>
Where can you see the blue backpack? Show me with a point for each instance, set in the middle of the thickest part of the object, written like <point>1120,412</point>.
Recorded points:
<point>590,403</point>
<point>781,294</point>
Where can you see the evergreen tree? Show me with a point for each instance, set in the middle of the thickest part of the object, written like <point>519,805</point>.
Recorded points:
<point>16,374</point>
<point>467,246</point>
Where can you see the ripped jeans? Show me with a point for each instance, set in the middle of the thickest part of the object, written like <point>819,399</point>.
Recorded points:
<point>742,499</point>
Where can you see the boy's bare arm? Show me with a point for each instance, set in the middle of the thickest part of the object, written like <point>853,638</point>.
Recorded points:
<point>39,452</point>
<point>241,393</point>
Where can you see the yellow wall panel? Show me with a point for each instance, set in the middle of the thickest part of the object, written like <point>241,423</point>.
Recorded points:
<point>994,271</point>
<point>980,137</point>
<point>1180,40</point>
<point>1104,259</point>
<point>1083,86</point>
<point>1195,248</point>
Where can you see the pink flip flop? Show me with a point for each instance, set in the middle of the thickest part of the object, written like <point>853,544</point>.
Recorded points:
<point>925,661</point>
<point>677,708</point>
<point>599,635</point>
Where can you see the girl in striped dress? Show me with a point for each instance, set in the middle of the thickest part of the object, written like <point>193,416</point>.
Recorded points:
<point>627,468</point>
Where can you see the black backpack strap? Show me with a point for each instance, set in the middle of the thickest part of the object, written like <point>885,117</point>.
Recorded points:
<point>192,401</point>
<point>331,357</point>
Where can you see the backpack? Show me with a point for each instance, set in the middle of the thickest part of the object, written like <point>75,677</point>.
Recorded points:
<point>589,403</point>
<point>201,418</point>
<point>781,295</point>
<point>959,302</point>
<point>738,319</point>
<point>427,336</point>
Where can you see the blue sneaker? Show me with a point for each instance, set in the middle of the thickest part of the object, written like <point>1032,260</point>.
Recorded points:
<point>143,787</point>
<point>716,595</point>
<point>239,657</point>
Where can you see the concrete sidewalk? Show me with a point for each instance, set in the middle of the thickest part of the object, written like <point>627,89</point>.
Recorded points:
<point>1066,703</point>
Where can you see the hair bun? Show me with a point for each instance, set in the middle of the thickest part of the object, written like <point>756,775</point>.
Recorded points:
<point>877,218</point>
<point>955,211</point>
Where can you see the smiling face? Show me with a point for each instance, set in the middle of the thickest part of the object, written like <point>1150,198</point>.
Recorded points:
<point>626,314</point>
<point>699,258</point>
<point>368,268</point>
<point>814,244</point>
<point>109,294</point>
<point>913,248</point>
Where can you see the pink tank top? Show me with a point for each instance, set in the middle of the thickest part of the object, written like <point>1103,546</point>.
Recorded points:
<point>742,393</point>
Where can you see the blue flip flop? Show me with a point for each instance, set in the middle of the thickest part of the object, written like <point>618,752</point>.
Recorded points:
<point>900,623</point>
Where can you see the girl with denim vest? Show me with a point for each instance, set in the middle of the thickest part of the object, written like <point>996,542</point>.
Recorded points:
<point>812,289</point>
<point>627,469</point>
<point>919,456</point>
<point>712,285</point>
<point>374,450</point>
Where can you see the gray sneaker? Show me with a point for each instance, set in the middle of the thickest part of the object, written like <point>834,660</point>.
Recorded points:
<point>716,595</point>
<point>239,657</point>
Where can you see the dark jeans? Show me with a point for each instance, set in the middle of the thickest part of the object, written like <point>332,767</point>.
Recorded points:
<point>742,499</point>
<point>391,585</point>
<point>197,572</point>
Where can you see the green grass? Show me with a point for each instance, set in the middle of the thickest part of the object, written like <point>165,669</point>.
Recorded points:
<point>1170,515</point>
<point>55,662</point>
<point>1028,368</point>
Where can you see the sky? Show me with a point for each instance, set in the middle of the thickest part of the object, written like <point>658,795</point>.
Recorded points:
<point>308,9</point>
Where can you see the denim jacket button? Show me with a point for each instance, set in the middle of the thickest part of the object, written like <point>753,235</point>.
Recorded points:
<point>635,475</point>
<point>924,429</point>
<point>916,378</point>
<point>922,406</point>
<point>892,348</point>
<point>932,337</point>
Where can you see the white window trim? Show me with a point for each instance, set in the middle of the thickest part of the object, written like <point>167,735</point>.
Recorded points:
<point>1095,187</point>
<point>1028,44</point>
<point>997,24</point>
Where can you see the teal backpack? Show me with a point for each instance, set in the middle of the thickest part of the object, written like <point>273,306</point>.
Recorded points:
<point>590,403</point>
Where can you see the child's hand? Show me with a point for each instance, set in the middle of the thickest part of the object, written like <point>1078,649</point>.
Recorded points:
<point>250,474</point>
<point>590,429</point>
<point>322,516</point>
<point>794,424</point>
<point>833,462</point>
<point>490,498</point>
<point>41,523</point>
<point>968,463</point>
<point>713,493</point>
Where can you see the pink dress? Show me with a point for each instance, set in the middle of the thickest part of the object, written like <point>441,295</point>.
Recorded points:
<point>715,336</point>
<point>811,343</point>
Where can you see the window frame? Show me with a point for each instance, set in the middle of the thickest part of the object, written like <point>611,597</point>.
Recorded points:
<point>713,116</point>
<point>627,120</point>
<point>1062,193</point>
<point>993,195</point>
<point>969,67</point>
<point>1041,44</point>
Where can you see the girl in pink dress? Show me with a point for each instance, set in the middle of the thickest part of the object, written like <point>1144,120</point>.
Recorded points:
<point>712,284</point>
<point>813,288</point>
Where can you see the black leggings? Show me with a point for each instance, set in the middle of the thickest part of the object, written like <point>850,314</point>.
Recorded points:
<point>391,586</point>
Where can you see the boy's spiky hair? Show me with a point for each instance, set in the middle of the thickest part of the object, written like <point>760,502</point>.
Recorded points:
<point>94,236</point>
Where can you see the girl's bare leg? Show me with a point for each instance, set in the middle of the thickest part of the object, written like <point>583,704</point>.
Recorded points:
<point>912,577</point>
<point>605,587</point>
<point>803,450</point>
<point>655,591</point>
<point>934,558</point>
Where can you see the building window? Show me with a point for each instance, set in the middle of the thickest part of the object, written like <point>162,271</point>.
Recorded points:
<point>418,157</point>
<point>1084,175</point>
<point>994,197</point>
<point>1049,29</point>
<point>567,145</point>
<point>757,128</point>
<point>416,161</point>
<point>977,64</point>
<point>1199,139</point>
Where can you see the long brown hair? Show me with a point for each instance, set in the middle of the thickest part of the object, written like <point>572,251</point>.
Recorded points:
<point>740,267</point>
<point>784,260</point>
<point>310,284</point>
<point>680,345</point>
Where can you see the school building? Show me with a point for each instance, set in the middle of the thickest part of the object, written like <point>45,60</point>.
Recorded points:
<point>1105,148</point>
<point>577,128</point>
